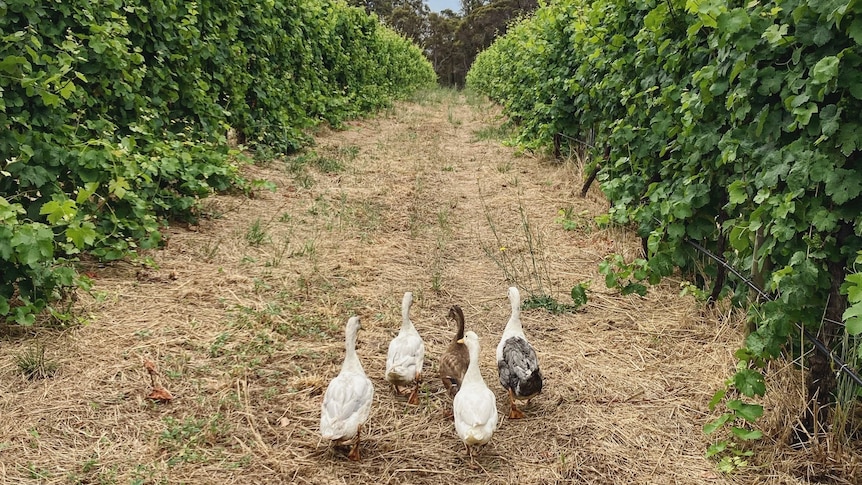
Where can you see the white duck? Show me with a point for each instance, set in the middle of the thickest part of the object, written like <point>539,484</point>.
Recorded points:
<point>517,361</point>
<point>406,354</point>
<point>347,401</point>
<point>475,406</point>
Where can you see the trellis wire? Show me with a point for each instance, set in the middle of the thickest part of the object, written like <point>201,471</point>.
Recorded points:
<point>820,346</point>
<point>837,360</point>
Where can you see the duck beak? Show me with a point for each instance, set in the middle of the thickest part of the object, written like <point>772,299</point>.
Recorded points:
<point>460,341</point>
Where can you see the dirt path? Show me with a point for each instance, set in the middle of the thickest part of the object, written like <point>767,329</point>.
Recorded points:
<point>244,317</point>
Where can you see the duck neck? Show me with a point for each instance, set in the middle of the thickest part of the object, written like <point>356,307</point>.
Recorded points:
<point>459,317</point>
<point>351,360</point>
<point>514,325</point>
<point>406,324</point>
<point>473,374</point>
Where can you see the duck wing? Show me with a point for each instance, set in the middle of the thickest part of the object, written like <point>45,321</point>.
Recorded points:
<point>405,358</point>
<point>519,368</point>
<point>475,410</point>
<point>453,366</point>
<point>346,405</point>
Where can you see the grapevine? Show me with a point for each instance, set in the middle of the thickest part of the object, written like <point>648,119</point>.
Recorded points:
<point>114,116</point>
<point>732,124</point>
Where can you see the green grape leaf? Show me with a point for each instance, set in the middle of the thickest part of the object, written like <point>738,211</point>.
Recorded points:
<point>81,234</point>
<point>749,382</point>
<point>716,398</point>
<point>749,412</point>
<point>579,295</point>
<point>746,434</point>
<point>737,193</point>
<point>853,287</point>
<point>59,210</point>
<point>853,319</point>
<point>86,192</point>
<point>774,34</point>
<point>33,243</point>
<point>710,427</point>
<point>119,187</point>
<point>24,316</point>
<point>733,21</point>
<point>825,70</point>
<point>854,30</point>
<point>843,185</point>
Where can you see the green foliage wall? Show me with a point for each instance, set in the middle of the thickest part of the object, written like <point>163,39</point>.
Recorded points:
<point>113,115</point>
<point>731,123</point>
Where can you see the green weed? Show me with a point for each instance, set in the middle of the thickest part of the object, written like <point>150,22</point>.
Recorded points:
<point>452,119</point>
<point>190,440</point>
<point>217,347</point>
<point>209,249</point>
<point>257,234</point>
<point>500,132</point>
<point>33,364</point>
<point>570,221</point>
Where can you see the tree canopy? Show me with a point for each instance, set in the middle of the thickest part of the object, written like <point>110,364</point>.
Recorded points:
<point>451,40</point>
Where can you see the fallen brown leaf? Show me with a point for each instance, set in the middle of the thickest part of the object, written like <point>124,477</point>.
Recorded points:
<point>160,394</point>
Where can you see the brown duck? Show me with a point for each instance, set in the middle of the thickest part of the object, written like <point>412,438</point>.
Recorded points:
<point>454,362</point>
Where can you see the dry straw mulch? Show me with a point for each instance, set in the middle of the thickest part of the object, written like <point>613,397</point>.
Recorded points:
<point>241,319</point>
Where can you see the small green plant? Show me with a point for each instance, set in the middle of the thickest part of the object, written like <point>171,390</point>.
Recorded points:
<point>209,249</point>
<point>627,277</point>
<point>436,281</point>
<point>349,153</point>
<point>217,347</point>
<point>328,164</point>
<point>33,364</point>
<point>296,165</point>
<point>521,256</point>
<point>494,132</point>
<point>443,221</point>
<point>308,249</point>
<point>570,221</point>
<point>305,180</point>
<point>579,293</point>
<point>551,305</point>
<point>739,415</point>
<point>187,441</point>
<point>279,253</point>
<point>689,288</point>
<point>253,188</point>
<point>257,234</point>
<point>505,166</point>
<point>452,119</point>
<point>36,473</point>
<point>732,456</point>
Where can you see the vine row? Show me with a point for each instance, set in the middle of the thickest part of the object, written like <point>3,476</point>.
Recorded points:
<point>732,124</point>
<point>114,116</point>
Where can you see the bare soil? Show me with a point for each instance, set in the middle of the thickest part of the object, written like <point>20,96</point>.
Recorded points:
<point>243,314</point>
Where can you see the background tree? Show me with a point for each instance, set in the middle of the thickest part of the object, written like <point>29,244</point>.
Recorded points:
<point>439,46</point>
<point>478,29</point>
<point>410,17</point>
<point>450,40</point>
<point>467,6</point>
